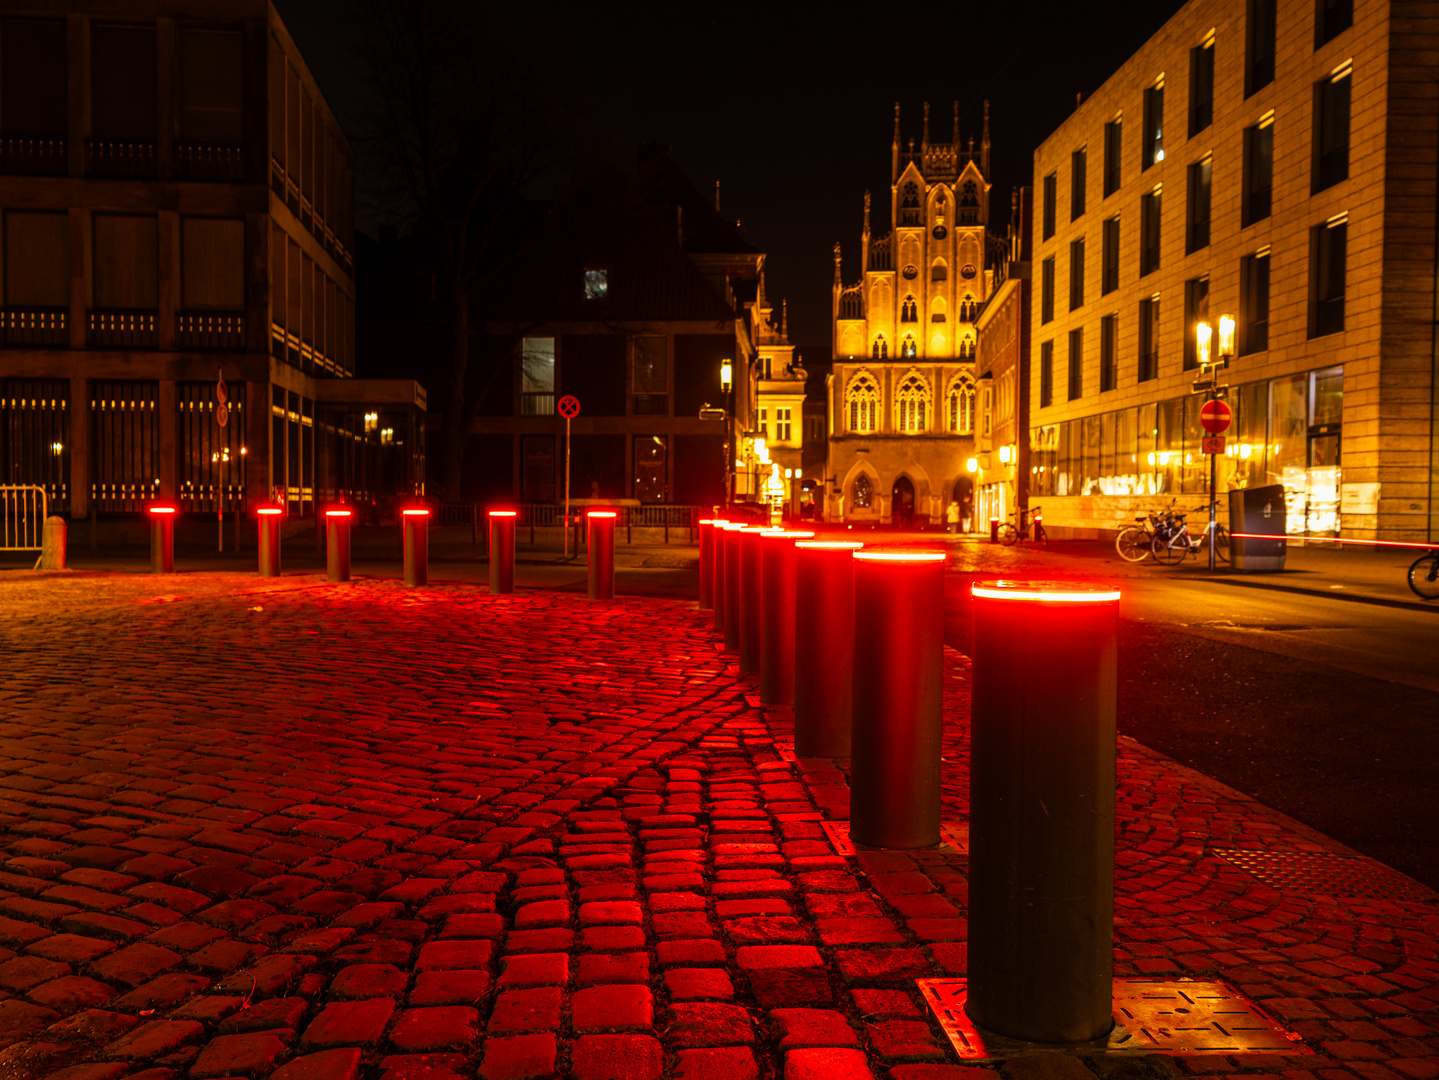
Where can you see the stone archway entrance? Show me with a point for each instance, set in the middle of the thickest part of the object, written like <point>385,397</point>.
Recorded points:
<point>901,503</point>
<point>964,499</point>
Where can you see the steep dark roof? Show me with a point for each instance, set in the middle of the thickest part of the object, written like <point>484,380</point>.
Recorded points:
<point>663,183</point>
<point>605,226</point>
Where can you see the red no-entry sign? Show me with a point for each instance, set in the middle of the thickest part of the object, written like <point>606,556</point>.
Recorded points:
<point>569,406</point>
<point>1215,416</point>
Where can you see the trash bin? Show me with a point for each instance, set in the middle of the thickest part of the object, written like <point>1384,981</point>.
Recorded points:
<point>1253,513</point>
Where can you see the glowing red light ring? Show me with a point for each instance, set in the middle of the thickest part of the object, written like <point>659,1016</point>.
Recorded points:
<point>269,511</point>
<point>901,556</point>
<point>504,513</point>
<point>601,514</point>
<point>735,526</point>
<point>830,545</point>
<point>416,513</point>
<point>1004,590</point>
<point>713,521</point>
<point>781,534</point>
<point>1334,540</point>
<point>337,513</point>
<point>162,509</point>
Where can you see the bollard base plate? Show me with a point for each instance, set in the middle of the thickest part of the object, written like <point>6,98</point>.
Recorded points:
<point>953,839</point>
<point>1178,1016</point>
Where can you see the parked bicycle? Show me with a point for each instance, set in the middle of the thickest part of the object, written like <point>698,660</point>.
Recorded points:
<point>1135,542</point>
<point>1424,575</point>
<point>1173,542</point>
<point>1010,534</point>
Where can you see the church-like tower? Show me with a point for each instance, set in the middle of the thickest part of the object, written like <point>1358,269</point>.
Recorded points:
<point>905,401</point>
<point>925,278</point>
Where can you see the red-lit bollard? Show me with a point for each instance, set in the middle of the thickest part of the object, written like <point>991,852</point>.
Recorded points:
<point>502,551</point>
<point>776,631</point>
<point>732,533</point>
<point>1041,810</point>
<point>417,546</point>
<point>716,572</point>
<point>337,545</point>
<point>707,555</point>
<point>899,632</point>
<point>162,539</point>
<point>269,548</point>
<point>600,542</point>
<point>823,647</point>
<point>750,597</point>
<point>994,530</point>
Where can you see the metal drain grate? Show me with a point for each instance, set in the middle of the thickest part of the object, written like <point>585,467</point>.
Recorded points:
<point>1180,1017</point>
<point>1326,874</point>
<point>953,837</point>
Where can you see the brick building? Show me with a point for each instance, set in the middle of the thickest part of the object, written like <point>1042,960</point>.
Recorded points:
<point>176,205</point>
<point>1274,160</point>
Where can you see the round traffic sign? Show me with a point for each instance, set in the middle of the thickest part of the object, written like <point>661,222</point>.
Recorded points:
<point>222,392</point>
<point>569,406</point>
<point>222,414</point>
<point>1215,416</point>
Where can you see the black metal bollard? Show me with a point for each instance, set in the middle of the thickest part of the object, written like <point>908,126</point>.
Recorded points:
<point>750,597</point>
<point>417,546</point>
<point>337,545</point>
<point>824,647</point>
<point>707,572</point>
<point>732,533</point>
<point>162,539</point>
<point>269,518</point>
<point>502,551</point>
<point>600,544</point>
<point>777,598</point>
<point>1041,838</point>
<point>899,631</point>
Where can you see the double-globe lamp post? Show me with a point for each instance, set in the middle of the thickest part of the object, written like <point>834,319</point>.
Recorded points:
<point>1207,383</point>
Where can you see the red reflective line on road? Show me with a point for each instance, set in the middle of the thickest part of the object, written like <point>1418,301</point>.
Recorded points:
<point>1332,540</point>
<point>901,556</point>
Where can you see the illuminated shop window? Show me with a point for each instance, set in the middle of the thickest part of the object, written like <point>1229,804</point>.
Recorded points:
<point>597,284</point>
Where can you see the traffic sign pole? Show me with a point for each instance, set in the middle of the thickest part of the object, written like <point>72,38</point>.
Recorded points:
<point>1215,416</point>
<point>569,408</point>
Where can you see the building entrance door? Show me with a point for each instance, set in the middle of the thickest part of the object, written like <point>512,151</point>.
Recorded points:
<point>964,496</point>
<point>650,468</point>
<point>901,503</point>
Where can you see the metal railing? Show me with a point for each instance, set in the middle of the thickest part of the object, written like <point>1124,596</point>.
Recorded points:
<point>552,515</point>
<point>23,508</point>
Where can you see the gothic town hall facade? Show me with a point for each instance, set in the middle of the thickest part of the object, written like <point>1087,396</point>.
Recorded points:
<point>904,397</point>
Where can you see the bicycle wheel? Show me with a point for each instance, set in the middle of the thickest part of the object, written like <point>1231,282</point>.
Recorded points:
<point>1040,536</point>
<point>1008,534</point>
<point>1133,544</point>
<point>1169,549</point>
<point>1424,576</point>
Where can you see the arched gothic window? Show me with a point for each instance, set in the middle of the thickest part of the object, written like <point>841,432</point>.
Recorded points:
<point>907,347</point>
<point>861,400</point>
<point>909,205</point>
<point>966,348</point>
<point>967,308</point>
<point>881,348</point>
<point>969,204</point>
<point>908,311</point>
<point>937,308</point>
<point>961,406</point>
<point>863,489</point>
<point>939,271</point>
<point>912,404</point>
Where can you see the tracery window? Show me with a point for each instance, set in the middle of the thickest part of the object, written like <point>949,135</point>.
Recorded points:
<point>862,403</point>
<point>880,351</point>
<point>961,406</point>
<point>907,347</point>
<point>908,311</point>
<point>912,404</point>
<point>939,271</point>
<point>966,348</point>
<point>863,491</point>
<point>937,308</point>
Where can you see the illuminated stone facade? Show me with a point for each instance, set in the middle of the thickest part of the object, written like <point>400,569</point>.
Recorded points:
<point>1274,161</point>
<point>902,391</point>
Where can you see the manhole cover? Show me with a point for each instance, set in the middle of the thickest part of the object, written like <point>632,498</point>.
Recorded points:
<point>1326,874</point>
<point>1180,1017</point>
<point>953,837</point>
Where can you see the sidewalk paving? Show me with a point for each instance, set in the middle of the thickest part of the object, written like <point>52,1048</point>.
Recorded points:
<point>288,829</point>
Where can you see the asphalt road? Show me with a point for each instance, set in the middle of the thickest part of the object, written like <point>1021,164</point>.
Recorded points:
<point>1323,708</point>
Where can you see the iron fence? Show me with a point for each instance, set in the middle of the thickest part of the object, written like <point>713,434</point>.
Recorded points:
<point>552,515</point>
<point>23,508</point>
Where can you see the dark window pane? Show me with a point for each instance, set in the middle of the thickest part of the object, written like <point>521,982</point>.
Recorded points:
<point>1108,352</point>
<point>1078,164</point>
<point>1049,197</point>
<point>1253,304</point>
<point>1149,218</point>
<point>211,86</point>
<point>1258,171</point>
<point>1046,291</point>
<point>1197,234</point>
<point>1110,255</point>
<point>1201,87</point>
<point>1330,243</point>
<point>1148,338</point>
<point>34,78</point>
<point>1259,45</point>
<point>1333,17</point>
<point>1113,140</point>
<point>123,82</point>
<point>1153,146</point>
<point>1046,374</point>
<point>1331,143</point>
<point>1076,274</point>
<point>1076,364</point>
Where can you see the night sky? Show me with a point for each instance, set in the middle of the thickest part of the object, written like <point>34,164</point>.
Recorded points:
<point>792,112</point>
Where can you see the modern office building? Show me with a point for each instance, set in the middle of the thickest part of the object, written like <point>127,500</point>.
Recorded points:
<point>176,209</point>
<point>1274,160</point>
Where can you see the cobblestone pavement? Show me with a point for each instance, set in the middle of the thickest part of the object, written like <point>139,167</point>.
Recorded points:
<point>296,830</point>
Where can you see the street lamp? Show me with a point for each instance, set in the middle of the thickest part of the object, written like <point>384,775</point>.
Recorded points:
<point>1208,385</point>
<point>727,385</point>
<point>1226,338</point>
